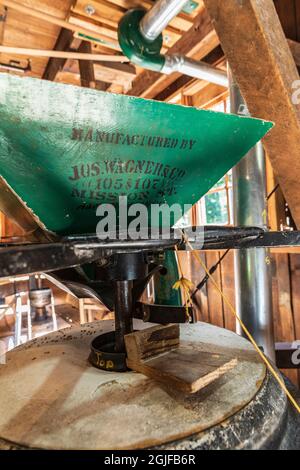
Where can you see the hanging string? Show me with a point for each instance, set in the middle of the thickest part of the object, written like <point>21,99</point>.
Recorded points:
<point>206,278</point>
<point>185,284</point>
<point>243,326</point>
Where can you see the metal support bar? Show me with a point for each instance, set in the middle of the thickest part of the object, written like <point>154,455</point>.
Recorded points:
<point>164,314</point>
<point>196,69</point>
<point>253,286</point>
<point>258,240</point>
<point>46,257</point>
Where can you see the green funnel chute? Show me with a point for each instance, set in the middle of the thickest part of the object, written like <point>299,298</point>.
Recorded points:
<point>64,150</point>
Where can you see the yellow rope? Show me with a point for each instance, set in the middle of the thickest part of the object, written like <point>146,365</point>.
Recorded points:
<point>185,284</point>
<point>244,328</point>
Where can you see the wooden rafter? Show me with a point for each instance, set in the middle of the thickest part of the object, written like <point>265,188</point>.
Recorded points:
<point>2,22</point>
<point>256,48</point>
<point>86,68</point>
<point>46,17</point>
<point>108,72</point>
<point>54,65</point>
<point>197,42</point>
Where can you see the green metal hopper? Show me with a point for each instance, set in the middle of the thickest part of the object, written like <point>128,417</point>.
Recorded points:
<point>64,150</point>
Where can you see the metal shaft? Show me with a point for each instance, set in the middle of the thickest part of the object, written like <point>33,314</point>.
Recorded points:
<point>253,286</point>
<point>196,69</point>
<point>159,16</point>
<point>123,313</point>
<point>152,25</point>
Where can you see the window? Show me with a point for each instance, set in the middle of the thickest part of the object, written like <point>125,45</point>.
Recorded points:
<point>215,208</point>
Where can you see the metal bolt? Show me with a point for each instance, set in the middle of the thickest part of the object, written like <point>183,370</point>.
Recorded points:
<point>90,10</point>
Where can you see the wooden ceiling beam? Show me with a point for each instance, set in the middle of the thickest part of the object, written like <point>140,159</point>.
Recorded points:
<point>182,21</point>
<point>100,35</point>
<point>102,86</point>
<point>107,72</point>
<point>2,22</point>
<point>124,69</point>
<point>197,42</point>
<point>97,25</point>
<point>256,48</point>
<point>113,11</point>
<point>109,15</point>
<point>209,95</point>
<point>86,67</point>
<point>55,65</point>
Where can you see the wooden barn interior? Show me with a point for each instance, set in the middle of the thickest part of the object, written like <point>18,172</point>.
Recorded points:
<point>216,321</point>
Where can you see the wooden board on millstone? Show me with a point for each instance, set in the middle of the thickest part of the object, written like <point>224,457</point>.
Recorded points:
<point>157,353</point>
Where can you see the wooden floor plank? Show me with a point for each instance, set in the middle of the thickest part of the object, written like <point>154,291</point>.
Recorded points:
<point>215,303</point>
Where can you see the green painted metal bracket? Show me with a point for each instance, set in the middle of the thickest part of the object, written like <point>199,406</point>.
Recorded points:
<point>189,7</point>
<point>139,51</point>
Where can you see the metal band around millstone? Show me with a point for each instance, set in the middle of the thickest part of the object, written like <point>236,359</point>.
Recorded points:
<point>104,357</point>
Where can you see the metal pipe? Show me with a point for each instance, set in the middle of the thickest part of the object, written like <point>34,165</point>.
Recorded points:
<point>253,286</point>
<point>141,41</point>
<point>159,16</point>
<point>196,69</point>
<point>152,25</point>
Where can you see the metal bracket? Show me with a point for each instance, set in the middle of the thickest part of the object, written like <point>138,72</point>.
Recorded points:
<point>163,314</point>
<point>11,66</point>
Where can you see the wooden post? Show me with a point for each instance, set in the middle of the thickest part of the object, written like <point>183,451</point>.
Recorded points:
<point>54,65</point>
<point>263,66</point>
<point>86,67</point>
<point>2,22</point>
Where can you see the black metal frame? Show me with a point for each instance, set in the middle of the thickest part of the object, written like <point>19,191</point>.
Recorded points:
<point>124,268</point>
<point>29,258</point>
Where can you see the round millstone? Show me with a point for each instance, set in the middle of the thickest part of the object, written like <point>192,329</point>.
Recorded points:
<point>52,398</point>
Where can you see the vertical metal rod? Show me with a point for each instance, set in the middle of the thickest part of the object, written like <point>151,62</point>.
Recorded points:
<point>123,313</point>
<point>253,285</point>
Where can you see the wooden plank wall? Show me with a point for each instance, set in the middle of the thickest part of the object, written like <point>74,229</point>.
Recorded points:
<point>285,288</point>
<point>8,228</point>
<point>289,14</point>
